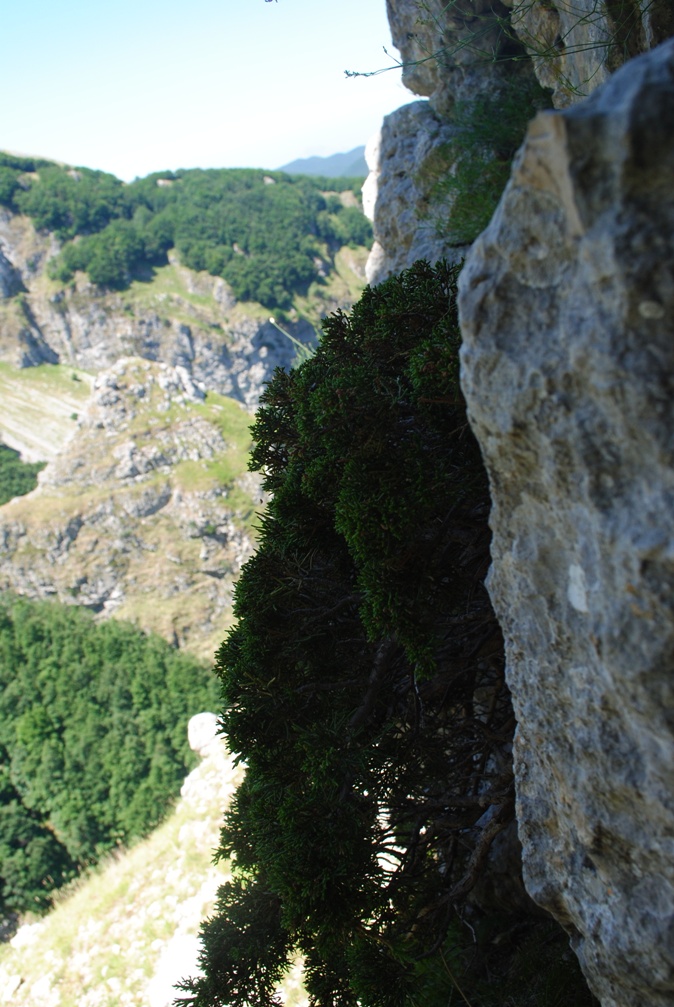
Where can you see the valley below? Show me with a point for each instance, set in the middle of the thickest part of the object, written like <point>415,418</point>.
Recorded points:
<point>138,402</point>
<point>124,936</point>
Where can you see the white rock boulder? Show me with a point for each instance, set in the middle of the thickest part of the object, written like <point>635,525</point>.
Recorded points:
<point>202,732</point>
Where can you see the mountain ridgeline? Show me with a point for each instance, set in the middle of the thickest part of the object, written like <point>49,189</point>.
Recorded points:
<point>267,234</point>
<point>350,164</point>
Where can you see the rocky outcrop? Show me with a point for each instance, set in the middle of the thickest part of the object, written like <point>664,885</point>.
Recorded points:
<point>182,318</point>
<point>145,513</point>
<point>567,302</point>
<point>10,278</point>
<point>576,44</point>
<point>454,53</point>
<point>202,732</point>
<point>404,158</point>
<point>450,53</point>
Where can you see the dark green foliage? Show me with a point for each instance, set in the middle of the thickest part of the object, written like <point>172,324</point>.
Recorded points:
<point>93,740</point>
<point>489,131</point>
<point>32,860</point>
<point>519,961</point>
<point>263,232</point>
<point>9,185</point>
<point>72,202</point>
<point>23,164</point>
<point>16,477</point>
<point>110,258</point>
<point>363,683</point>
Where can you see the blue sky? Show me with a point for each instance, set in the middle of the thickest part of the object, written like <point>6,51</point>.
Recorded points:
<point>134,86</point>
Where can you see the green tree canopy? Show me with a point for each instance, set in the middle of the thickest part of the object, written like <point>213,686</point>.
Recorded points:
<point>93,739</point>
<point>363,682</point>
<point>266,233</point>
<point>16,477</point>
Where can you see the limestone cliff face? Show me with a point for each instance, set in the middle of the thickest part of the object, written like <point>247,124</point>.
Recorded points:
<point>395,195</point>
<point>576,44</point>
<point>567,302</point>
<point>144,510</point>
<point>454,53</point>
<point>451,53</point>
<point>145,513</point>
<point>181,318</point>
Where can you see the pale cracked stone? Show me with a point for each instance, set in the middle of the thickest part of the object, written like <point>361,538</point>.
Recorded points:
<point>567,313</point>
<point>453,53</point>
<point>402,159</point>
<point>202,732</point>
<point>576,44</point>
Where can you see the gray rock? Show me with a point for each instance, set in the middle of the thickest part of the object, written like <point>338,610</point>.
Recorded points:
<point>10,278</point>
<point>214,342</point>
<point>576,44</point>
<point>127,518</point>
<point>33,350</point>
<point>451,53</point>
<point>178,961</point>
<point>567,309</point>
<point>404,161</point>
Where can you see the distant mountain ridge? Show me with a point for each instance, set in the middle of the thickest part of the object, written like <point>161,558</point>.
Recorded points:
<point>349,165</point>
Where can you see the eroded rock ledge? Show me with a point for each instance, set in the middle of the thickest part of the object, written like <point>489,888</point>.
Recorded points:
<point>567,307</point>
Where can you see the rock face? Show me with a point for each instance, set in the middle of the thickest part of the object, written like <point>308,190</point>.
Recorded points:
<point>146,512</point>
<point>576,44</point>
<point>182,318</point>
<point>185,319</point>
<point>202,732</point>
<point>453,54</point>
<point>395,195</point>
<point>567,308</point>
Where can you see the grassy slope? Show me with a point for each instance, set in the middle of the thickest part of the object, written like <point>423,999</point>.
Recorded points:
<point>136,917</point>
<point>39,407</point>
<point>175,567</point>
<point>101,946</point>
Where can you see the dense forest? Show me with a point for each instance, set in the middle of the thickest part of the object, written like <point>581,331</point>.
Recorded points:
<point>93,741</point>
<point>267,234</point>
<point>16,476</point>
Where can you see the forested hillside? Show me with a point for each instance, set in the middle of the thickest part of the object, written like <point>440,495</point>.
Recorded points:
<point>268,234</point>
<point>124,345</point>
<point>93,745</point>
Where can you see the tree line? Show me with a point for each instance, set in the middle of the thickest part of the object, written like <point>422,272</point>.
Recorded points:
<point>16,476</point>
<point>266,233</point>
